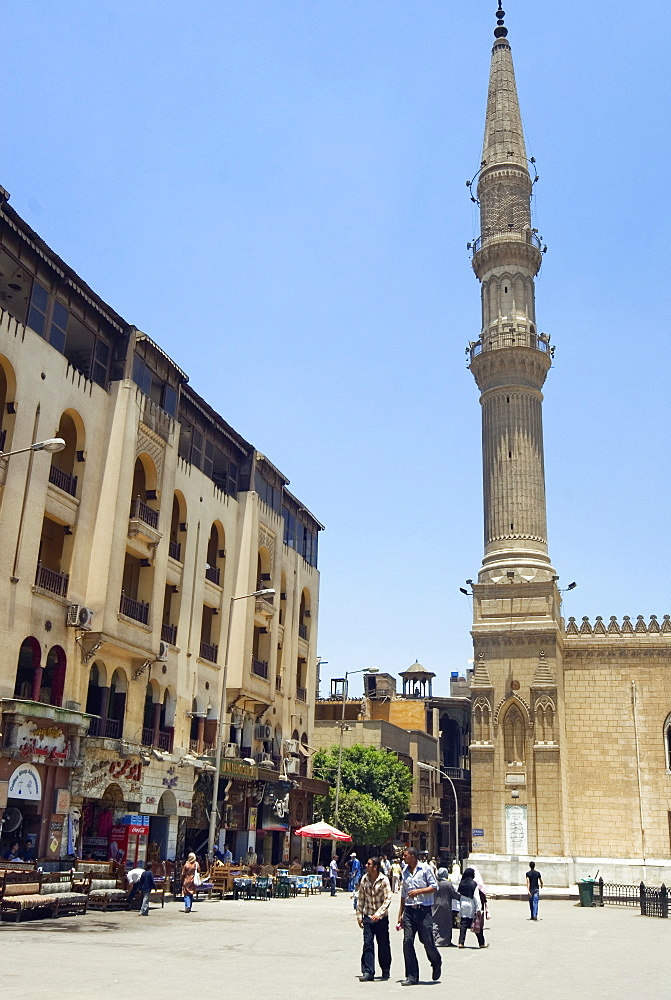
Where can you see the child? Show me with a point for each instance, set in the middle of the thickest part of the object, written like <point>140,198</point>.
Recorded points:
<point>145,886</point>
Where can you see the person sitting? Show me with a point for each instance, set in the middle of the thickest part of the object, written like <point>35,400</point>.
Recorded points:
<point>14,853</point>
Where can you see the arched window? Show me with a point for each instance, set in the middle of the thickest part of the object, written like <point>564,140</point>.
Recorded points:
<point>144,496</point>
<point>304,616</point>
<point>544,714</point>
<point>178,528</point>
<point>216,555</point>
<point>53,677</point>
<point>7,404</point>
<point>263,575</point>
<point>29,670</point>
<point>513,736</point>
<point>117,705</point>
<point>482,716</point>
<point>667,741</point>
<point>64,463</point>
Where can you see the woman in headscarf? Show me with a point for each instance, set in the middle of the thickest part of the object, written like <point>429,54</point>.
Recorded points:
<point>189,869</point>
<point>442,910</point>
<point>455,879</point>
<point>473,902</point>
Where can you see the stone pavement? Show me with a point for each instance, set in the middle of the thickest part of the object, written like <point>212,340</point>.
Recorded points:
<point>302,948</point>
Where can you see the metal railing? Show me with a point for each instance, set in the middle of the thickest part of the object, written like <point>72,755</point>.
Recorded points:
<point>303,631</point>
<point>456,773</point>
<point>653,901</point>
<point>302,694</point>
<point>63,480</point>
<point>165,741</point>
<point>213,574</point>
<point>260,668</point>
<point>169,634</point>
<point>147,736</point>
<point>510,232</point>
<point>94,727</point>
<point>208,651</point>
<point>49,579</point>
<point>113,729</point>
<point>510,338</point>
<point>278,682</point>
<point>175,550</point>
<point>138,610</point>
<point>140,510</point>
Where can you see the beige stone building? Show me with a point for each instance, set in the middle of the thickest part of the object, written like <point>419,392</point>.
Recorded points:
<point>120,556</point>
<point>571,740</point>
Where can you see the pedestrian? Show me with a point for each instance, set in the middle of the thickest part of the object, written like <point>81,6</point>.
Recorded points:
<point>385,865</point>
<point>472,906</point>
<point>455,879</point>
<point>418,886</point>
<point>374,897</point>
<point>189,870</point>
<point>534,882</point>
<point>354,872</point>
<point>227,856</point>
<point>145,885</point>
<point>395,874</point>
<point>133,878</point>
<point>333,874</point>
<point>446,895</point>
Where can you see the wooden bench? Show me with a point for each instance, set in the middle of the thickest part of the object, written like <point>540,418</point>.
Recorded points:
<point>105,884</point>
<point>31,890</point>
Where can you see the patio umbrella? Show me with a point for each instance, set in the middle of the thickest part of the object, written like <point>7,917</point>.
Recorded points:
<point>322,831</point>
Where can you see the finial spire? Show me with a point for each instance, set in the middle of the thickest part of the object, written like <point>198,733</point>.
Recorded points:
<point>500,31</point>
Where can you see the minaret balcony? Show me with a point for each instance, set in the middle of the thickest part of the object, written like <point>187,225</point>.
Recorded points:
<point>505,234</point>
<point>513,337</point>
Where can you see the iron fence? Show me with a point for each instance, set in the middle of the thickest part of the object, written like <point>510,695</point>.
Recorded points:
<point>653,901</point>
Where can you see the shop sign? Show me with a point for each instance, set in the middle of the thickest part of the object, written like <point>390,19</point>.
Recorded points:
<point>252,817</point>
<point>237,769</point>
<point>100,771</point>
<point>183,804</point>
<point>275,809</point>
<point>25,783</point>
<point>478,833</point>
<point>134,819</point>
<point>47,742</point>
<point>62,801</point>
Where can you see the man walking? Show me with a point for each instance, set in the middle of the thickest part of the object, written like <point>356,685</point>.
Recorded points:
<point>333,873</point>
<point>534,882</point>
<point>354,872</point>
<point>372,914</point>
<point>418,886</point>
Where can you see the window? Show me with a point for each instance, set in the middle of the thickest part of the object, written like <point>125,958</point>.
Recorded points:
<point>37,313</point>
<point>151,385</point>
<point>201,451</point>
<point>59,327</point>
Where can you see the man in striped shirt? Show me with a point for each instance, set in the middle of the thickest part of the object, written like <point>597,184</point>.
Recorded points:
<point>372,914</point>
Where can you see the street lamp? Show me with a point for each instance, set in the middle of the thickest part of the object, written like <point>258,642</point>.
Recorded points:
<point>51,445</point>
<point>268,592</point>
<point>348,673</point>
<point>430,767</point>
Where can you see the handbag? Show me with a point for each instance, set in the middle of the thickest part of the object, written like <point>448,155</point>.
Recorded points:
<point>477,922</point>
<point>197,880</point>
<point>467,907</point>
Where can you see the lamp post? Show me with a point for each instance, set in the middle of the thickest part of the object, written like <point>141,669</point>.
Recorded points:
<point>268,592</point>
<point>430,767</point>
<point>51,445</point>
<point>348,673</point>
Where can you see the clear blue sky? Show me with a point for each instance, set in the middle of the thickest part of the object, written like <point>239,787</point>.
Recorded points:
<point>274,191</point>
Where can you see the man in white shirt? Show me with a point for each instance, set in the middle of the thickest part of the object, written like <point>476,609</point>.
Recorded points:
<point>418,887</point>
<point>333,873</point>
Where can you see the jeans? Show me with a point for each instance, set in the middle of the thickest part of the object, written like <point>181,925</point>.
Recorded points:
<point>188,901</point>
<point>418,920</point>
<point>144,909</point>
<point>372,930</point>
<point>533,904</point>
<point>465,924</point>
<point>333,884</point>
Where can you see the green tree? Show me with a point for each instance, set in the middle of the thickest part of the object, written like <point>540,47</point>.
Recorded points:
<point>378,778</point>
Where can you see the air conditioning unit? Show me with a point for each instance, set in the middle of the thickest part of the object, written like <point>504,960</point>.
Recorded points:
<point>264,758</point>
<point>291,765</point>
<point>162,651</point>
<point>263,732</point>
<point>291,746</point>
<point>231,750</point>
<point>79,617</point>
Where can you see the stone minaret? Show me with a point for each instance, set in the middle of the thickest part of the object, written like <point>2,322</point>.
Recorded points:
<point>516,629</point>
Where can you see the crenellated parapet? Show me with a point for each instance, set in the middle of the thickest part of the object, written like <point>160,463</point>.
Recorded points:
<point>613,628</point>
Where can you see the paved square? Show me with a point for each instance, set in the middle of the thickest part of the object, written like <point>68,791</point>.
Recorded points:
<point>310,947</point>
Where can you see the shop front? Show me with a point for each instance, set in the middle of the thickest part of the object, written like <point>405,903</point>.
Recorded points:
<point>121,795</point>
<point>272,823</point>
<point>40,751</point>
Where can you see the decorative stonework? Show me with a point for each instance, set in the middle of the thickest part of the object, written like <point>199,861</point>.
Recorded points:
<point>543,676</point>
<point>267,540</point>
<point>521,704</point>
<point>481,676</point>
<point>152,445</point>
<point>653,627</point>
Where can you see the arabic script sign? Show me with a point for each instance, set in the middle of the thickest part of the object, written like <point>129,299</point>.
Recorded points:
<point>47,742</point>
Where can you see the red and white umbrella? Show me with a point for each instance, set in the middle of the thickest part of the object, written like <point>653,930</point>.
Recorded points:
<point>322,831</point>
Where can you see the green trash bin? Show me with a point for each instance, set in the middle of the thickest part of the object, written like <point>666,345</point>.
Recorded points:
<point>586,889</point>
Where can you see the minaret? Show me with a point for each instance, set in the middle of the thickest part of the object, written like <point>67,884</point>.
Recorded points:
<point>510,360</point>
<point>518,787</point>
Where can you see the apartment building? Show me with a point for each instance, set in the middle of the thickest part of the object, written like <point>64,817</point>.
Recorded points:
<point>120,558</point>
